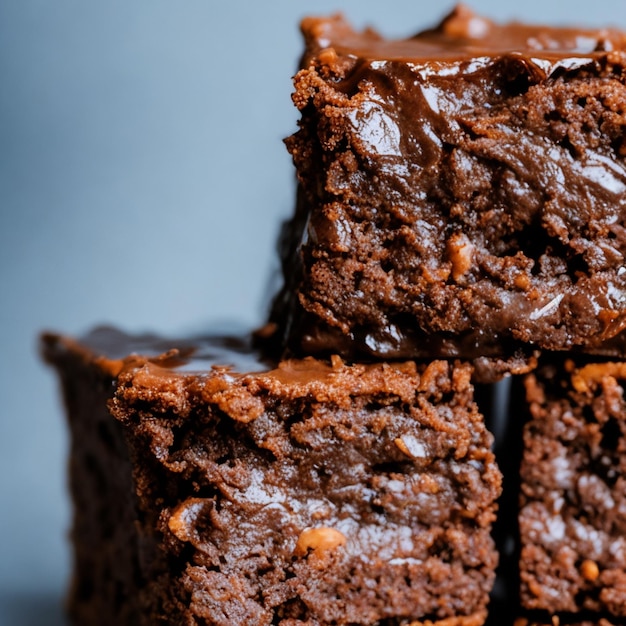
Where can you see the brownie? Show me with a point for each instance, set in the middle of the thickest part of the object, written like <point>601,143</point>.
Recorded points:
<point>573,489</point>
<point>214,487</point>
<point>461,192</point>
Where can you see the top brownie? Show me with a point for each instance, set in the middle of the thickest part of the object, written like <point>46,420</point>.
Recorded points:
<point>461,192</point>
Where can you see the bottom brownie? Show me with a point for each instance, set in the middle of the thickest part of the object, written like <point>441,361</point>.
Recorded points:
<point>573,490</point>
<point>300,493</point>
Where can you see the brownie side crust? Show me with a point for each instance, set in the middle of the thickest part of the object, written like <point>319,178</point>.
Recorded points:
<point>311,493</point>
<point>458,197</point>
<point>573,490</point>
<point>108,551</point>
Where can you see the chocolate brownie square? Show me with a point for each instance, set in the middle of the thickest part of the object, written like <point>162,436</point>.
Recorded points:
<point>573,489</point>
<point>461,192</point>
<point>213,487</point>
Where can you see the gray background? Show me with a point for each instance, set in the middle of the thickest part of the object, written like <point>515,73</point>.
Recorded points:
<point>142,181</point>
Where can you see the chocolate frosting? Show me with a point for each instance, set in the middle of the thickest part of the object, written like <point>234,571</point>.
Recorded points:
<point>461,36</point>
<point>230,358</point>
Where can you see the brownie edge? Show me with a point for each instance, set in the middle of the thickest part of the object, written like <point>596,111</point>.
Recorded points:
<point>573,489</point>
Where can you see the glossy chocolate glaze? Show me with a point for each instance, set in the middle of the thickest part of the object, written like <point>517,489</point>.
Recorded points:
<point>462,192</point>
<point>118,351</point>
<point>462,35</point>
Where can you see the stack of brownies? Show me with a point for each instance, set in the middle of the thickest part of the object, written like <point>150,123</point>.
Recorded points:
<point>460,218</point>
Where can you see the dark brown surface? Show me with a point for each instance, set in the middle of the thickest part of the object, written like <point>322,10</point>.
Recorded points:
<point>461,192</point>
<point>309,493</point>
<point>108,568</point>
<point>563,622</point>
<point>573,490</point>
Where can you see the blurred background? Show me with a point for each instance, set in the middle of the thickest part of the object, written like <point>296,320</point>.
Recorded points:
<point>142,183</point>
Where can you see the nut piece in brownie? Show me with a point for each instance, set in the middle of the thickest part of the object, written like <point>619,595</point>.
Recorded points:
<point>461,192</point>
<point>214,488</point>
<point>573,490</point>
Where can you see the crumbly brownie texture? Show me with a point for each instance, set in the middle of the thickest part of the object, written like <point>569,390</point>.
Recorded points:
<point>573,494</point>
<point>461,193</point>
<point>308,493</point>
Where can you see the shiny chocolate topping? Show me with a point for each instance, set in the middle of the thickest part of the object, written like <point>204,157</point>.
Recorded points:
<point>462,35</point>
<point>227,357</point>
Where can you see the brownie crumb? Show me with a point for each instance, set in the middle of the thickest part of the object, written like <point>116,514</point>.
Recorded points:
<point>573,492</point>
